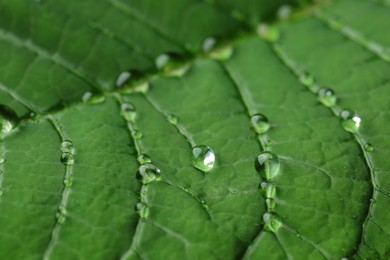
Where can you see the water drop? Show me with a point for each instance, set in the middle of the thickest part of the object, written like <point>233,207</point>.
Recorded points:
<point>284,12</point>
<point>270,203</point>
<point>67,158</point>
<point>61,215</point>
<point>67,147</point>
<point>143,210</point>
<point>148,173</point>
<point>8,120</point>
<point>2,160</point>
<point>306,79</point>
<point>68,182</point>
<point>271,222</point>
<point>92,99</point>
<point>260,123</point>
<point>137,134</point>
<point>203,158</point>
<point>144,159</point>
<point>122,79</point>
<point>132,81</point>
<point>267,164</point>
<point>268,189</point>
<point>327,97</point>
<point>369,148</point>
<point>267,143</point>
<point>172,65</point>
<point>172,119</point>
<point>269,33</point>
<point>350,121</point>
<point>218,50</point>
<point>128,112</point>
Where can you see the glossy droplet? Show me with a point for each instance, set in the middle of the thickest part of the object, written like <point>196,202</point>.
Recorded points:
<point>284,12</point>
<point>306,79</point>
<point>172,65</point>
<point>267,164</point>
<point>267,143</point>
<point>172,119</point>
<point>203,158</point>
<point>91,99</point>
<point>148,173</point>
<point>143,210</point>
<point>270,203</point>
<point>369,148</point>
<point>67,147</point>
<point>350,121</point>
<point>128,112</point>
<point>8,120</point>
<point>271,222</point>
<point>2,160</point>
<point>122,79</point>
<point>132,81</point>
<point>327,97</point>
<point>61,215</point>
<point>268,189</point>
<point>67,158</point>
<point>269,33</point>
<point>137,134</point>
<point>144,159</point>
<point>260,123</point>
<point>217,50</point>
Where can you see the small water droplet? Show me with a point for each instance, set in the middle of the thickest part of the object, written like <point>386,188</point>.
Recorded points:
<point>350,121</point>
<point>267,32</point>
<point>68,182</point>
<point>61,215</point>
<point>344,258</point>
<point>172,119</point>
<point>128,112</point>
<point>284,12</point>
<point>132,81</point>
<point>144,159</point>
<point>260,123</point>
<point>270,203</point>
<point>143,210</point>
<point>8,120</point>
<point>267,143</point>
<point>122,79</point>
<point>368,147</point>
<point>271,222</point>
<point>218,50</point>
<point>172,64</point>
<point>267,164</point>
<point>268,189</point>
<point>67,158</point>
<point>137,134</point>
<point>67,147</point>
<point>148,173</point>
<point>203,158</point>
<point>327,97</point>
<point>2,160</point>
<point>306,79</point>
<point>92,99</point>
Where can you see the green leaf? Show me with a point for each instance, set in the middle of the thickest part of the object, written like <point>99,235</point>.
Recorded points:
<point>194,129</point>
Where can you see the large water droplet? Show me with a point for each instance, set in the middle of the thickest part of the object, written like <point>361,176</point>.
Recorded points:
<point>269,33</point>
<point>203,158</point>
<point>369,148</point>
<point>217,50</point>
<point>92,99</point>
<point>67,158</point>
<point>128,112</point>
<point>271,222</point>
<point>350,121</point>
<point>144,159</point>
<point>327,97</point>
<point>267,164</point>
<point>172,65</point>
<point>143,210</point>
<point>260,123</point>
<point>8,120</point>
<point>148,173</point>
<point>67,147</point>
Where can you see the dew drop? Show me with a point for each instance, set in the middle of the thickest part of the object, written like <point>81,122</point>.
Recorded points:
<point>270,203</point>
<point>2,160</point>
<point>267,143</point>
<point>67,147</point>
<point>148,173</point>
<point>267,164</point>
<point>8,120</point>
<point>68,182</point>
<point>327,97</point>
<point>271,222</point>
<point>203,158</point>
<point>122,79</point>
<point>132,81</point>
<point>268,189</point>
<point>369,148</point>
<point>143,210</point>
<point>306,79</point>
<point>267,32</point>
<point>260,123</point>
<point>350,121</point>
<point>172,119</point>
<point>92,99</point>
<point>137,134</point>
<point>144,159</point>
<point>61,215</point>
<point>128,112</point>
<point>217,50</point>
<point>284,12</point>
<point>171,65</point>
<point>67,158</point>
